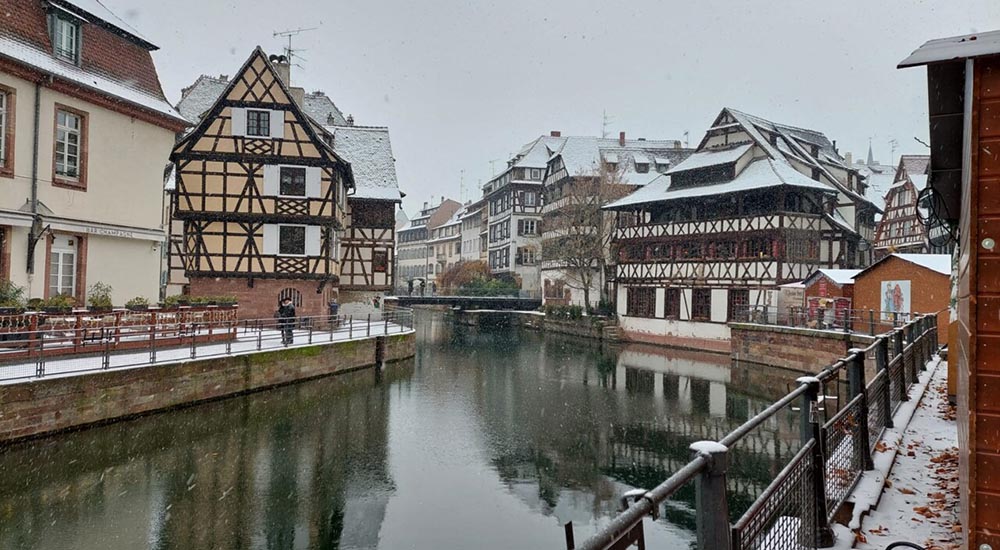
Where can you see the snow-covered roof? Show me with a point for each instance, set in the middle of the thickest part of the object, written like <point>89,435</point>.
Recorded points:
<point>322,109</point>
<point>955,47</point>
<point>97,9</point>
<point>369,151</point>
<point>878,185</point>
<point>838,276</point>
<point>44,61</point>
<point>711,157</point>
<point>762,173</point>
<point>935,262</point>
<point>201,96</point>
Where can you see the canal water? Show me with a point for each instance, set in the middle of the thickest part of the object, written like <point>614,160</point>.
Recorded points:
<point>488,438</point>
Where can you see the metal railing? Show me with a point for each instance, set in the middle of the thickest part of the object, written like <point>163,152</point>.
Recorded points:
<point>868,321</point>
<point>47,347</point>
<point>428,291</point>
<point>796,509</point>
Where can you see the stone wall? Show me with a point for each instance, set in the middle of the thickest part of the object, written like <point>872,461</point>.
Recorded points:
<point>54,404</point>
<point>798,349</point>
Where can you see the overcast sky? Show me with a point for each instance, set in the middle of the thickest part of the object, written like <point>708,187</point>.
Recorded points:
<point>461,84</point>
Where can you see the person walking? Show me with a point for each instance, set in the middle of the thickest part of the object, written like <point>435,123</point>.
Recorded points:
<point>286,320</point>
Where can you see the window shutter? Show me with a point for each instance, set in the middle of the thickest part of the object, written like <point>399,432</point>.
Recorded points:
<point>312,240</point>
<point>313,176</point>
<point>520,227</point>
<point>271,176</point>
<point>239,121</point>
<point>277,124</point>
<point>270,239</point>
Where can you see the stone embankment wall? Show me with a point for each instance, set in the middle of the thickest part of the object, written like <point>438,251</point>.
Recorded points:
<point>798,349</point>
<point>55,404</point>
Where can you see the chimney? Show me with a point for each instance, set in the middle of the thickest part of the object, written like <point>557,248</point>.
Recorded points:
<point>350,120</point>
<point>425,205</point>
<point>555,133</point>
<point>849,158</point>
<point>621,139</point>
<point>283,66</point>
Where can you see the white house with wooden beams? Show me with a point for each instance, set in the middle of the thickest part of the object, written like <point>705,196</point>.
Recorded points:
<point>85,131</point>
<point>758,205</point>
<point>900,229</point>
<point>262,196</point>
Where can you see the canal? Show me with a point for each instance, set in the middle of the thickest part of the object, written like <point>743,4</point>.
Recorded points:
<point>486,439</point>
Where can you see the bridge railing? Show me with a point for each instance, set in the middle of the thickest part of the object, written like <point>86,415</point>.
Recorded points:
<point>429,291</point>
<point>59,347</point>
<point>796,509</point>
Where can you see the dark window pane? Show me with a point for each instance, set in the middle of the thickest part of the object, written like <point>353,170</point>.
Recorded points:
<point>258,123</point>
<point>293,181</point>
<point>292,240</point>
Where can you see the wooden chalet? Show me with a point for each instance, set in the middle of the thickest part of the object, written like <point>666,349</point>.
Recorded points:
<point>262,197</point>
<point>369,240</point>
<point>900,229</point>
<point>963,84</point>
<point>758,205</point>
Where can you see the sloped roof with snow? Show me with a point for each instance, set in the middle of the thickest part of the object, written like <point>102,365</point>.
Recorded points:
<point>201,96</point>
<point>940,263</point>
<point>952,48</point>
<point>98,10</point>
<point>45,62</point>
<point>838,276</point>
<point>368,150</point>
<point>711,157</point>
<point>762,173</point>
<point>323,110</point>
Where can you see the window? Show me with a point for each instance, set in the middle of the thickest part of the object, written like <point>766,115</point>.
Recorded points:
<point>292,181</point>
<point>529,198</point>
<point>70,147</point>
<point>6,131</point>
<point>526,256</point>
<point>701,304</point>
<point>641,302</point>
<point>536,174</point>
<point>292,240</point>
<point>739,301</point>
<point>527,227</point>
<point>62,266</point>
<point>672,309</point>
<point>642,167</point>
<point>258,123</point>
<point>66,39</point>
<point>380,261</point>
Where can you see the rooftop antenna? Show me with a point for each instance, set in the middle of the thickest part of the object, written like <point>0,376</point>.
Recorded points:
<point>289,51</point>
<point>493,171</point>
<point>893,145</point>
<point>461,185</point>
<point>606,121</point>
<point>687,144</point>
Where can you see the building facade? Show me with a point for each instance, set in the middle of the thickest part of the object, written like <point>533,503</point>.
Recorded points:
<point>262,197</point>
<point>582,174</point>
<point>472,231</point>
<point>757,206</point>
<point>415,256</point>
<point>513,205</point>
<point>900,228</point>
<point>86,81</point>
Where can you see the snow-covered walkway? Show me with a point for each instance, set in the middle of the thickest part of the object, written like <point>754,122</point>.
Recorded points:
<point>920,500</point>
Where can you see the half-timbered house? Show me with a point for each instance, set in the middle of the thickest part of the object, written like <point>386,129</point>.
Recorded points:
<point>758,205</point>
<point>900,229</point>
<point>369,240</point>
<point>262,197</point>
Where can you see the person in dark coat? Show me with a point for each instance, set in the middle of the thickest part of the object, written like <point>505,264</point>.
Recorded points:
<point>286,320</point>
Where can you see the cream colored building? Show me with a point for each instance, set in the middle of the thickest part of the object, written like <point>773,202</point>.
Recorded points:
<point>82,197</point>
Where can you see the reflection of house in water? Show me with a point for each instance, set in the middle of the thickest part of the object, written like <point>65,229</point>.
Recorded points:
<point>303,466</point>
<point>569,438</point>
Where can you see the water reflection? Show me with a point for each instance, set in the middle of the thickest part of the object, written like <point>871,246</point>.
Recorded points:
<point>489,438</point>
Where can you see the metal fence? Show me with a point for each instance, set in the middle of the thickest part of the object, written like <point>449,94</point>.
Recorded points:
<point>869,321</point>
<point>796,509</point>
<point>48,347</point>
<point>469,292</point>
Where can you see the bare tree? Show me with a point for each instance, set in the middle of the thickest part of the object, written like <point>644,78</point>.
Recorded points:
<point>578,232</point>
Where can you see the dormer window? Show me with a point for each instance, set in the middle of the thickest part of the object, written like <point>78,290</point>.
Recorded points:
<point>66,38</point>
<point>642,167</point>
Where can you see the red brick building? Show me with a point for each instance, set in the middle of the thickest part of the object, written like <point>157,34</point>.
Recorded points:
<point>830,283</point>
<point>900,286</point>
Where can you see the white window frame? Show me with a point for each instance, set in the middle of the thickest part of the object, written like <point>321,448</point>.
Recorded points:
<point>529,198</point>
<point>57,265</point>
<point>64,131</point>
<point>66,39</point>
<point>536,174</point>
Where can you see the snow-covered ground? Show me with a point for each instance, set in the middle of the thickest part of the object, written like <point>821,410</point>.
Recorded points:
<point>246,342</point>
<point>920,500</point>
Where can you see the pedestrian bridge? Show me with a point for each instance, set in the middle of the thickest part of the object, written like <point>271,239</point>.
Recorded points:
<point>522,303</point>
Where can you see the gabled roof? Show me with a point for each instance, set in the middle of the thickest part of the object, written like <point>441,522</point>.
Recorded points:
<point>711,157</point>
<point>953,48</point>
<point>369,151</point>
<point>839,276</point>
<point>199,97</point>
<point>762,173</point>
<point>940,263</point>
